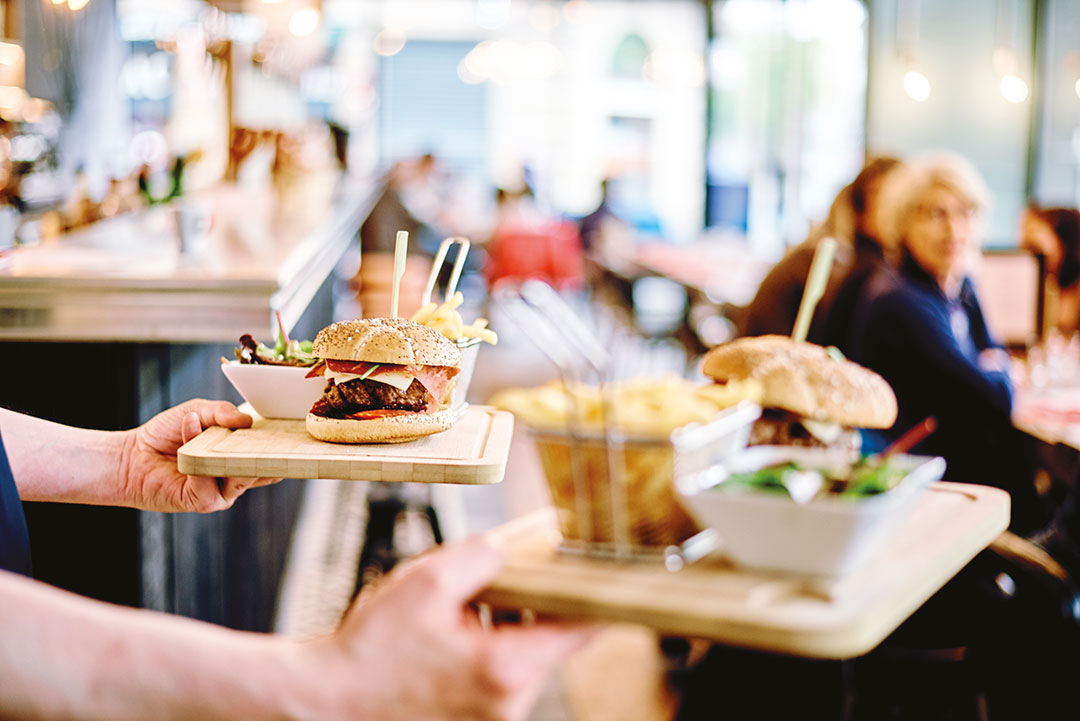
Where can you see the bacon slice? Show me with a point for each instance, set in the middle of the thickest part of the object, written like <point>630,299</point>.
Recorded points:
<point>435,379</point>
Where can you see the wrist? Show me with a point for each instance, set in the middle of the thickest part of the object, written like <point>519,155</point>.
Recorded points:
<point>317,680</point>
<point>121,453</point>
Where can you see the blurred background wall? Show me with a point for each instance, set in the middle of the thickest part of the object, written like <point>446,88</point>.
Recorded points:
<point>730,119</point>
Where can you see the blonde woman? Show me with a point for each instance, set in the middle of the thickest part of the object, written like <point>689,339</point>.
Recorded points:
<point>920,326</point>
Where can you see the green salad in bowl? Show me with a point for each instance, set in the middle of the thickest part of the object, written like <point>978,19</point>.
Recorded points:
<point>869,476</point>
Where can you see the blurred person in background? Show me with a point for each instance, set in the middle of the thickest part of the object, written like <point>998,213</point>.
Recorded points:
<point>529,243</point>
<point>592,225</point>
<point>922,328</point>
<point>851,221</point>
<point>414,649</point>
<point>1054,233</point>
<point>412,198</point>
<point>408,201</point>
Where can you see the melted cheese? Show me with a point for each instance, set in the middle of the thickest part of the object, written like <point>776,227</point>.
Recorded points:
<point>824,432</point>
<point>399,380</point>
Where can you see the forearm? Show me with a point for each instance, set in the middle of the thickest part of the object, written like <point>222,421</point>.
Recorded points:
<point>54,462</point>
<point>63,657</point>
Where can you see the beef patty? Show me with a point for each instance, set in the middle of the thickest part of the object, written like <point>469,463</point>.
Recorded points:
<point>787,430</point>
<point>361,395</point>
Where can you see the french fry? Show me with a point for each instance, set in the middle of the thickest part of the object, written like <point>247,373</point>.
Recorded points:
<point>649,407</point>
<point>445,319</point>
<point>424,314</point>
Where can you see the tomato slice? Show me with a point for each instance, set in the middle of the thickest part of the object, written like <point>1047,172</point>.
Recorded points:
<point>378,413</point>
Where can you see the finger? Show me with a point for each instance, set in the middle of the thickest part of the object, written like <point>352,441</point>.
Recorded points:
<point>190,426</point>
<point>259,482</point>
<point>233,488</point>
<point>204,495</point>
<point>217,413</point>
<point>453,574</point>
<point>520,652</point>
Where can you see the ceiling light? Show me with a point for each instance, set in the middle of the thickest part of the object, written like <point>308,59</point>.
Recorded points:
<point>916,85</point>
<point>1014,88</point>
<point>304,21</point>
<point>389,42</point>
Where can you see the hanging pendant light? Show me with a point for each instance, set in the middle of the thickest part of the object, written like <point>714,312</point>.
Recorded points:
<point>1006,62</point>
<point>916,83</point>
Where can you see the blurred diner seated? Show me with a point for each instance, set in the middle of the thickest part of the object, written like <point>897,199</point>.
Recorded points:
<point>527,243</point>
<point>920,325</point>
<point>851,221</point>
<point>409,200</point>
<point>1054,233</point>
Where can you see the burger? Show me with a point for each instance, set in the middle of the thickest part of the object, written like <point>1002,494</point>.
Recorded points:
<point>387,380</point>
<point>811,395</point>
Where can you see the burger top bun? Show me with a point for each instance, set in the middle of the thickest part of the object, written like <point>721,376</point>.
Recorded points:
<point>804,379</point>
<point>391,429</point>
<point>386,340</point>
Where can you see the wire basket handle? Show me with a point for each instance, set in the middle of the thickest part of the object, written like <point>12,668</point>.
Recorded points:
<point>563,338</point>
<point>440,260</point>
<point>552,308</point>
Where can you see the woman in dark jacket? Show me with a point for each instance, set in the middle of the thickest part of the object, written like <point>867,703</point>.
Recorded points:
<point>921,327</point>
<point>852,223</point>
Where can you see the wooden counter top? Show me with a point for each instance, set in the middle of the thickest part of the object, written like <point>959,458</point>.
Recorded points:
<point>128,279</point>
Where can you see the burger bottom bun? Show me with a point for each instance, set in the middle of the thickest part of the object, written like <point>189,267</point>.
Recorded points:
<point>391,429</point>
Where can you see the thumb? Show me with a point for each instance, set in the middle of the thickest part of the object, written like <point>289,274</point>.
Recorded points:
<point>190,426</point>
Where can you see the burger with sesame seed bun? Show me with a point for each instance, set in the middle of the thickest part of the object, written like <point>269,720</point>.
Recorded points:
<point>812,395</point>
<point>388,380</point>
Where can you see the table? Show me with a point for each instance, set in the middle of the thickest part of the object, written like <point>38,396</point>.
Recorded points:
<point>724,272</point>
<point>1050,414</point>
<point>805,616</point>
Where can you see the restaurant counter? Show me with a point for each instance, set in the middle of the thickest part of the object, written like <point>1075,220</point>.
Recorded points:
<point>107,326</point>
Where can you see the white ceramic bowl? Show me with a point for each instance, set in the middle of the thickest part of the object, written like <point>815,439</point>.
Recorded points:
<point>829,536</point>
<point>284,392</point>
<point>275,391</point>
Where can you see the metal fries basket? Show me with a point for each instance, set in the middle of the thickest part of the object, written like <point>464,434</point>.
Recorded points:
<point>469,346</point>
<point>614,494</point>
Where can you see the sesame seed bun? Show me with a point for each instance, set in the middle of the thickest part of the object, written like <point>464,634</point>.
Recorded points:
<point>391,429</point>
<point>386,340</point>
<point>804,379</point>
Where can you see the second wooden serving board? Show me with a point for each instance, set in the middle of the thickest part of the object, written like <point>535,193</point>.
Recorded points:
<point>769,611</point>
<point>474,451</point>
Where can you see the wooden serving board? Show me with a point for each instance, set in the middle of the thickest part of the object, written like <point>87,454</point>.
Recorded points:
<point>474,451</point>
<point>711,599</point>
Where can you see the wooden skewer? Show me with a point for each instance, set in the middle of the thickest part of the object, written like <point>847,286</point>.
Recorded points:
<point>401,245</point>
<point>815,287</point>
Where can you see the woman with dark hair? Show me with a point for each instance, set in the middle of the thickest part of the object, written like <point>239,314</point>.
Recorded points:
<point>852,223</point>
<point>1054,233</point>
